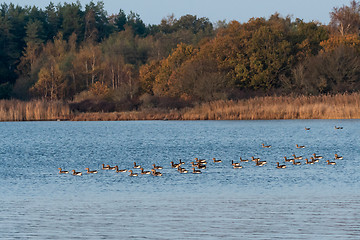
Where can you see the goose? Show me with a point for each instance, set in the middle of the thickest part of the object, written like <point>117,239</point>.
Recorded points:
<point>337,157</point>
<point>132,174</point>
<point>260,163</point>
<point>105,167</point>
<point>297,146</point>
<point>314,160</point>
<point>330,163</point>
<point>195,171</point>
<point>280,166</point>
<point>235,163</point>
<point>266,146</point>
<point>156,167</point>
<point>296,163</point>
<point>237,166</point>
<point>203,161</point>
<point>110,168</point>
<point>144,172</point>
<point>200,166</point>
<point>255,159</point>
<point>317,157</point>
<point>173,165</point>
<point>76,173</point>
<point>243,160</point>
<point>136,166</point>
<point>154,173</point>
<point>180,162</point>
<point>182,170</point>
<point>88,171</point>
<point>119,170</point>
<point>307,129</point>
<point>217,160</point>
<point>288,159</point>
<point>194,164</point>
<point>297,158</point>
<point>307,161</point>
<point>61,171</point>
<point>338,127</point>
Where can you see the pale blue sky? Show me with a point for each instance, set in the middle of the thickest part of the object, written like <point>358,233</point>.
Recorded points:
<point>152,11</point>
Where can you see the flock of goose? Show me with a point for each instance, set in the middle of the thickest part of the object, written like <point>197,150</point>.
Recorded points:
<point>199,164</point>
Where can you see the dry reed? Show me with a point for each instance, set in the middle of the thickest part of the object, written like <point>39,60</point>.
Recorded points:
<point>38,110</point>
<point>341,106</point>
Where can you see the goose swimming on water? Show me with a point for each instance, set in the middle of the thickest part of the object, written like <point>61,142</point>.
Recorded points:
<point>217,160</point>
<point>107,167</point>
<point>136,166</point>
<point>307,161</point>
<point>132,174</point>
<point>119,170</point>
<point>157,167</point>
<point>244,160</point>
<point>174,165</point>
<point>154,173</point>
<point>330,163</point>
<point>88,171</point>
<point>280,166</point>
<point>317,156</point>
<point>296,163</point>
<point>144,172</point>
<point>76,173</point>
<point>337,157</point>
<point>61,171</point>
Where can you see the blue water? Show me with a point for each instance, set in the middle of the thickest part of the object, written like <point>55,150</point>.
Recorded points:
<point>300,202</point>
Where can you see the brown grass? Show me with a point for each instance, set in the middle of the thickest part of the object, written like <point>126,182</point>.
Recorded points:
<point>15,110</point>
<point>341,106</point>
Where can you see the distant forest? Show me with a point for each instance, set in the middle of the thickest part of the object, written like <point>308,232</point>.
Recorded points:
<point>99,62</point>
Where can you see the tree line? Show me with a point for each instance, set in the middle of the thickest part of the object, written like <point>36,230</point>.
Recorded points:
<point>100,62</point>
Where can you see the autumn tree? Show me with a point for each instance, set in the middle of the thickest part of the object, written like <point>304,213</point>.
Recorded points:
<point>335,41</point>
<point>165,80</point>
<point>346,19</point>
<point>51,83</point>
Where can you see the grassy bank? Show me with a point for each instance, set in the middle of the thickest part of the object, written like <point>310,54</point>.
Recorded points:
<point>342,106</point>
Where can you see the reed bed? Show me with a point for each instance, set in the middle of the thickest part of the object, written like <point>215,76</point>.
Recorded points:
<point>37,110</point>
<point>340,106</point>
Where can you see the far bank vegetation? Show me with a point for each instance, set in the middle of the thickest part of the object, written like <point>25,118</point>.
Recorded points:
<point>70,62</point>
<point>340,106</point>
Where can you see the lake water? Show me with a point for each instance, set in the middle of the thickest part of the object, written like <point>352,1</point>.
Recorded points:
<point>317,201</point>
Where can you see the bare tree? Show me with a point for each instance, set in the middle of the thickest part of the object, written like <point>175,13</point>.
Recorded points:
<point>346,19</point>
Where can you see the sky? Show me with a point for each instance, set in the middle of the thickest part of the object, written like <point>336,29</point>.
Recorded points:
<point>152,11</point>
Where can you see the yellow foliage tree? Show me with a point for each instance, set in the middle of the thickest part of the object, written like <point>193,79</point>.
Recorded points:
<point>99,89</point>
<point>165,79</point>
<point>49,84</point>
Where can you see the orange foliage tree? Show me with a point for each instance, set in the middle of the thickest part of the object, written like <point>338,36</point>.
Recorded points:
<point>335,41</point>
